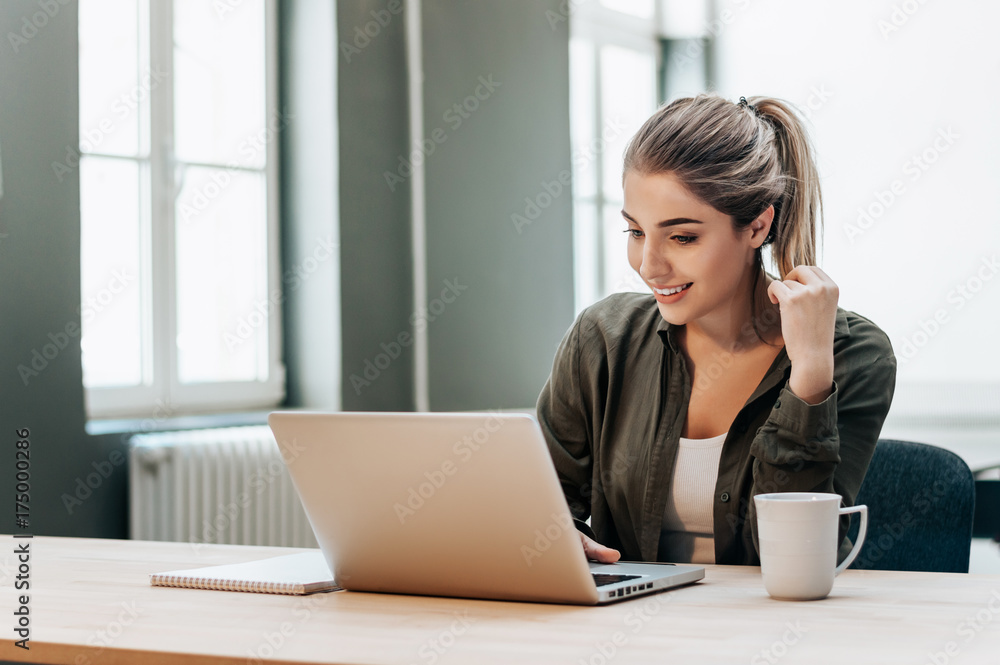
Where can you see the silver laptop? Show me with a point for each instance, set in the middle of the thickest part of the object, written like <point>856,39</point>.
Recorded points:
<point>449,504</point>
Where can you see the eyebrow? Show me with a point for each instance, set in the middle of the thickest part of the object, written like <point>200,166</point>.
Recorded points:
<point>665,223</point>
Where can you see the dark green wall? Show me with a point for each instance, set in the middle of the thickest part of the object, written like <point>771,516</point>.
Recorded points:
<point>510,288</point>
<point>493,347</point>
<point>40,285</point>
<point>376,266</point>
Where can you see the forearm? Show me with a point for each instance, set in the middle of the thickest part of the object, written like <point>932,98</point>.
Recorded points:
<point>812,379</point>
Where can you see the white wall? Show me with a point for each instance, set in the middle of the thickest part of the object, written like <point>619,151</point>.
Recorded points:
<point>886,87</point>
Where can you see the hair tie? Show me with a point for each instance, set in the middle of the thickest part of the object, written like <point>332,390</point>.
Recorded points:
<point>747,105</point>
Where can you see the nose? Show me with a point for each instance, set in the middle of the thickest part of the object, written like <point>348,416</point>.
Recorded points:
<point>654,262</point>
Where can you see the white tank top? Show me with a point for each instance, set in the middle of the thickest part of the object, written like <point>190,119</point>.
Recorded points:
<point>688,520</point>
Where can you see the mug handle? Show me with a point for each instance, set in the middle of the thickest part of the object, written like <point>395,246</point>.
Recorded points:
<point>861,536</point>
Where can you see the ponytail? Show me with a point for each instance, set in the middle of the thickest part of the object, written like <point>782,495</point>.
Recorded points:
<point>799,209</point>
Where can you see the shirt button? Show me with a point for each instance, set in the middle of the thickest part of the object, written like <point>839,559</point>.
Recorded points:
<point>724,497</point>
<point>778,404</point>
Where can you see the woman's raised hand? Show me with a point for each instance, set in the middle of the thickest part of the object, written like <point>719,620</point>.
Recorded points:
<point>807,299</point>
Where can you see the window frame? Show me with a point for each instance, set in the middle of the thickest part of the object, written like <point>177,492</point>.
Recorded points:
<point>161,390</point>
<point>599,26</point>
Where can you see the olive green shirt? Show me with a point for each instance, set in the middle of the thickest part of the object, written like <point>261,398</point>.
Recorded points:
<point>613,409</point>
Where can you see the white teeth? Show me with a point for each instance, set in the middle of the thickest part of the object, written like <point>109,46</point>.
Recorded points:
<point>668,292</point>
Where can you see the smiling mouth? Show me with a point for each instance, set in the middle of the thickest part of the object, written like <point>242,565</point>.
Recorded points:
<point>676,289</point>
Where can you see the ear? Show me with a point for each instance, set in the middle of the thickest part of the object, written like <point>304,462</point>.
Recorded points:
<point>760,227</point>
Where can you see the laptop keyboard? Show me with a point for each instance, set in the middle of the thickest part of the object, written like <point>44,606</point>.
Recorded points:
<point>602,579</point>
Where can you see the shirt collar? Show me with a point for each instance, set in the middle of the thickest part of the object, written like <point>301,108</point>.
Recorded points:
<point>668,331</point>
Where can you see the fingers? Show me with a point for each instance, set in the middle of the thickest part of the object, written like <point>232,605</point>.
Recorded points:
<point>597,552</point>
<point>808,275</point>
<point>778,291</point>
<point>799,279</point>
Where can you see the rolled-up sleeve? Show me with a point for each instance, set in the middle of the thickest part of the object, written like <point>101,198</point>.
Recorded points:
<point>824,447</point>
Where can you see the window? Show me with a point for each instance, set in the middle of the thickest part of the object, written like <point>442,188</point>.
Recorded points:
<point>626,58</point>
<point>908,167</point>
<point>904,159</point>
<point>179,129</point>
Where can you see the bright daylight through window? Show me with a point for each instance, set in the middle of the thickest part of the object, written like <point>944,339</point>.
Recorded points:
<point>177,160</point>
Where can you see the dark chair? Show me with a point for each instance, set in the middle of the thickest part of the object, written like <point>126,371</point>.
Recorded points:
<point>920,502</point>
<point>986,523</point>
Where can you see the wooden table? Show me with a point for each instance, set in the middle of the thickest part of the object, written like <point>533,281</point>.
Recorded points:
<point>91,602</point>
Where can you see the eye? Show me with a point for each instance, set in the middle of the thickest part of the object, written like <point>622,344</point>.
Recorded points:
<point>634,233</point>
<point>685,240</point>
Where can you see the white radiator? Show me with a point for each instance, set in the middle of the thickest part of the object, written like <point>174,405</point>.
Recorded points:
<point>226,485</point>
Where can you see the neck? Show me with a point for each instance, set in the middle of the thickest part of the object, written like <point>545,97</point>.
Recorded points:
<point>732,329</point>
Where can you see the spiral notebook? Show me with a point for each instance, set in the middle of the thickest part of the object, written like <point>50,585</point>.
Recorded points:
<point>292,574</point>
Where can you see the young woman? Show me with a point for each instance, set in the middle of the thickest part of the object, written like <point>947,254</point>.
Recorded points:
<point>666,412</point>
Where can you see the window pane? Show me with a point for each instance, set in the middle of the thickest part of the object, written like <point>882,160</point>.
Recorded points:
<point>222,308</point>
<point>913,216</point>
<point>113,94</point>
<point>110,234</point>
<point>219,100</point>
<point>618,274</point>
<point>628,97</point>
<point>583,108</point>
<point>685,68</point>
<point>640,8</point>
<point>585,254</point>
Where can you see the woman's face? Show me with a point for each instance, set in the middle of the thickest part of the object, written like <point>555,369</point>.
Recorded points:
<point>676,240</point>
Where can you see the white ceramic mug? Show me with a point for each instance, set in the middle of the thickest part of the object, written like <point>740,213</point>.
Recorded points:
<point>797,536</point>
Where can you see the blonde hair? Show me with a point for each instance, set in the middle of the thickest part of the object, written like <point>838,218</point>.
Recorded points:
<point>739,159</point>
